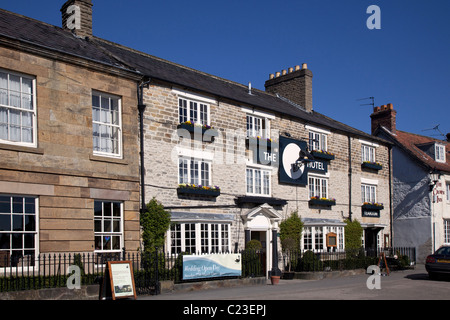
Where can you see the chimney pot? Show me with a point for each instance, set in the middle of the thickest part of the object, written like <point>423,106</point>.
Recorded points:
<point>283,72</point>
<point>291,70</point>
<point>297,68</point>
<point>304,66</point>
<point>277,74</point>
<point>271,76</point>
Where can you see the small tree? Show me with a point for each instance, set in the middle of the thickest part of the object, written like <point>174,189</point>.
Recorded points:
<point>290,235</point>
<point>353,234</point>
<point>155,222</point>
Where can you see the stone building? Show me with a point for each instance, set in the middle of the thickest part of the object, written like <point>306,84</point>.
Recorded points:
<point>421,185</point>
<point>230,162</point>
<point>69,175</point>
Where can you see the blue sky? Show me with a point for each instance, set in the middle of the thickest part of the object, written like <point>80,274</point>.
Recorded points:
<point>406,62</point>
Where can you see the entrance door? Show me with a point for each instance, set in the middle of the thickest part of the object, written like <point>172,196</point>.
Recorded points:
<point>370,240</point>
<point>261,236</point>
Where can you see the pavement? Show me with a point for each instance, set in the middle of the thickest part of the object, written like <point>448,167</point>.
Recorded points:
<point>397,285</point>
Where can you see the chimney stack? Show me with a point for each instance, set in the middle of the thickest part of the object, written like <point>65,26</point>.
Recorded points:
<point>77,17</point>
<point>385,116</point>
<point>295,85</point>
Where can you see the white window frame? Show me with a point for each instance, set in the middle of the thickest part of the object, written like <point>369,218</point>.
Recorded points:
<point>439,151</point>
<point>111,233</point>
<point>317,141</point>
<point>21,110</point>
<point>186,168</point>
<point>261,186</point>
<point>217,236</point>
<point>108,124</point>
<point>318,186</point>
<point>193,111</point>
<point>368,153</point>
<point>314,233</point>
<point>368,193</point>
<point>446,231</point>
<point>447,190</point>
<point>35,250</point>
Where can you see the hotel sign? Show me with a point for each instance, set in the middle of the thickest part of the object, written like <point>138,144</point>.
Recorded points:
<point>293,164</point>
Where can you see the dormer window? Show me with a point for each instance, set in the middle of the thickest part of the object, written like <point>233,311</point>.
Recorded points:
<point>439,152</point>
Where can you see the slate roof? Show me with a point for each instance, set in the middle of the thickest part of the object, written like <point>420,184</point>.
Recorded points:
<point>36,33</point>
<point>412,144</point>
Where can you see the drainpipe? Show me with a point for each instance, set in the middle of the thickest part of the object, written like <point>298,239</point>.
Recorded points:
<point>141,109</point>
<point>391,209</point>
<point>349,178</point>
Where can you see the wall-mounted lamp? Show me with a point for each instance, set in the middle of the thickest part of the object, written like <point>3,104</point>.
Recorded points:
<point>303,159</point>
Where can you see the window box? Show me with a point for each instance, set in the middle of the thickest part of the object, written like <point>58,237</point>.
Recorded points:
<point>325,155</point>
<point>204,129</point>
<point>372,206</point>
<point>189,189</point>
<point>371,165</point>
<point>257,141</point>
<point>316,201</point>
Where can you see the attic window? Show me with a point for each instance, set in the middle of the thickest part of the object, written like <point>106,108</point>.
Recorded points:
<point>439,152</point>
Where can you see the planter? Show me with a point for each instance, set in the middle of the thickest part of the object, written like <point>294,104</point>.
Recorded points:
<point>322,202</point>
<point>322,155</point>
<point>274,280</point>
<point>252,141</point>
<point>371,166</point>
<point>372,207</point>
<point>199,191</point>
<point>206,132</point>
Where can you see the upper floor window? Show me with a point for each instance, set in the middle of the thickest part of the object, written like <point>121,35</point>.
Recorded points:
<point>318,187</point>
<point>368,153</point>
<point>17,109</point>
<point>106,124</point>
<point>258,181</point>
<point>439,152</point>
<point>194,171</point>
<point>368,193</point>
<point>257,127</point>
<point>317,141</point>
<point>193,111</point>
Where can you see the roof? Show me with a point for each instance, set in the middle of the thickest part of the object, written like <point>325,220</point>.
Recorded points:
<point>415,145</point>
<point>36,33</point>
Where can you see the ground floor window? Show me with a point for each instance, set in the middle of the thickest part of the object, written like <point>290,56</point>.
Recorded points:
<point>18,230</point>
<point>199,238</point>
<point>446,231</point>
<point>108,226</point>
<point>317,238</point>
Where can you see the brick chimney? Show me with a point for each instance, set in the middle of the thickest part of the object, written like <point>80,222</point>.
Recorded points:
<point>294,84</point>
<point>384,116</point>
<point>77,17</point>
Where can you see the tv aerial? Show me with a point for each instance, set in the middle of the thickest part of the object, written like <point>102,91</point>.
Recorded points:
<point>436,128</point>
<point>368,104</point>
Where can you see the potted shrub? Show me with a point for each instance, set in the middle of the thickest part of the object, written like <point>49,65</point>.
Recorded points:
<point>290,234</point>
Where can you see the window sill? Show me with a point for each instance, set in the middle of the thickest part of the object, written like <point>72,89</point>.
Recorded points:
<point>371,166</point>
<point>198,191</point>
<point>260,200</point>
<point>107,159</point>
<point>206,132</point>
<point>11,147</point>
<point>322,155</point>
<point>319,202</point>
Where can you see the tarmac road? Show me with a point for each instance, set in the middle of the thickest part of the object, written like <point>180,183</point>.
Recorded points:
<point>398,285</point>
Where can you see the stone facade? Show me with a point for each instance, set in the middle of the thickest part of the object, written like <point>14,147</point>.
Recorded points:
<point>230,157</point>
<point>61,171</point>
